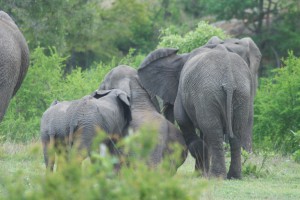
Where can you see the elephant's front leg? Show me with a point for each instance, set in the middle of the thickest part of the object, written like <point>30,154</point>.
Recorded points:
<point>216,150</point>
<point>235,164</point>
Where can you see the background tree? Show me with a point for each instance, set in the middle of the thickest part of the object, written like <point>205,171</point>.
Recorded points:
<point>273,23</point>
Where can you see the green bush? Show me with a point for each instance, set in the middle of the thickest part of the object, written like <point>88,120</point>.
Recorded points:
<point>99,180</point>
<point>296,154</point>
<point>277,107</point>
<point>192,39</point>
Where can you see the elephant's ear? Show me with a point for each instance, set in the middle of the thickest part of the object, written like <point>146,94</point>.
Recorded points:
<point>253,54</point>
<point>100,93</point>
<point>160,72</point>
<point>125,99</point>
<point>254,57</point>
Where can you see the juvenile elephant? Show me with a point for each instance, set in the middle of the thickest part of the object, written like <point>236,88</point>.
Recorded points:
<point>144,112</point>
<point>77,121</point>
<point>55,130</point>
<point>106,110</point>
<point>212,89</point>
<point>14,60</point>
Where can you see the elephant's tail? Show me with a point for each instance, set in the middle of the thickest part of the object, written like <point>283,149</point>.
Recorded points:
<point>229,94</point>
<point>51,160</point>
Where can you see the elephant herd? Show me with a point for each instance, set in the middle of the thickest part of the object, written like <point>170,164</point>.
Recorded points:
<point>208,93</point>
<point>120,105</point>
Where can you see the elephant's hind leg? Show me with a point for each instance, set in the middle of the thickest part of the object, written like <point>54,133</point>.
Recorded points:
<point>235,163</point>
<point>216,150</point>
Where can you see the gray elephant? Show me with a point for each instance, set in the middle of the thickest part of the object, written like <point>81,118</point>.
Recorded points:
<point>14,60</point>
<point>144,112</point>
<point>212,90</point>
<point>55,130</point>
<point>106,110</point>
<point>66,123</point>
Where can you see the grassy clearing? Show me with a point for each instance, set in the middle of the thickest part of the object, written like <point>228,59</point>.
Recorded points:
<point>279,178</point>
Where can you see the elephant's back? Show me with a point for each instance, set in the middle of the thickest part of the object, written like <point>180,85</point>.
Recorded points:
<point>206,77</point>
<point>10,55</point>
<point>55,118</point>
<point>14,54</point>
<point>100,113</point>
<point>202,74</point>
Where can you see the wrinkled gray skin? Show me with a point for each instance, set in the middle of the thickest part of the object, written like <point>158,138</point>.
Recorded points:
<point>68,122</point>
<point>106,110</point>
<point>212,89</point>
<point>144,112</point>
<point>14,60</point>
<point>55,130</point>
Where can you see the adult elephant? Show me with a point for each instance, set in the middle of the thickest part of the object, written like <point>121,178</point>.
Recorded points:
<point>212,89</point>
<point>14,60</point>
<point>144,112</point>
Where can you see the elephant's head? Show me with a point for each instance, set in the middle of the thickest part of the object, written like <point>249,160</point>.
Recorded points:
<point>125,78</point>
<point>245,47</point>
<point>119,78</point>
<point>160,72</point>
<point>120,95</point>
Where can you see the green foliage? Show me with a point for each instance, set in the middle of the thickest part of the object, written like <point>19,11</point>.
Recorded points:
<point>296,154</point>
<point>277,107</point>
<point>192,39</point>
<point>131,59</point>
<point>88,31</point>
<point>99,180</point>
<point>273,24</point>
<point>285,31</point>
<point>38,90</point>
<point>255,169</point>
<point>227,9</point>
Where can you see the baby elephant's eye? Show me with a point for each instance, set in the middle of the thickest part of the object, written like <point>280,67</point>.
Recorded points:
<point>236,43</point>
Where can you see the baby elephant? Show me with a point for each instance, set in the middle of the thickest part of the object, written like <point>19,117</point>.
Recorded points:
<point>66,122</point>
<point>106,110</point>
<point>55,129</point>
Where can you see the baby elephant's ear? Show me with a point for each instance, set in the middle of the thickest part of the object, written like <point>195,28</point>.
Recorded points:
<point>100,93</point>
<point>126,104</point>
<point>124,97</point>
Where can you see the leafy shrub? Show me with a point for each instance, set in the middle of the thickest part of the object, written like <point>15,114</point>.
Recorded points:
<point>192,39</point>
<point>253,167</point>
<point>296,154</point>
<point>277,107</point>
<point>99,180</point>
